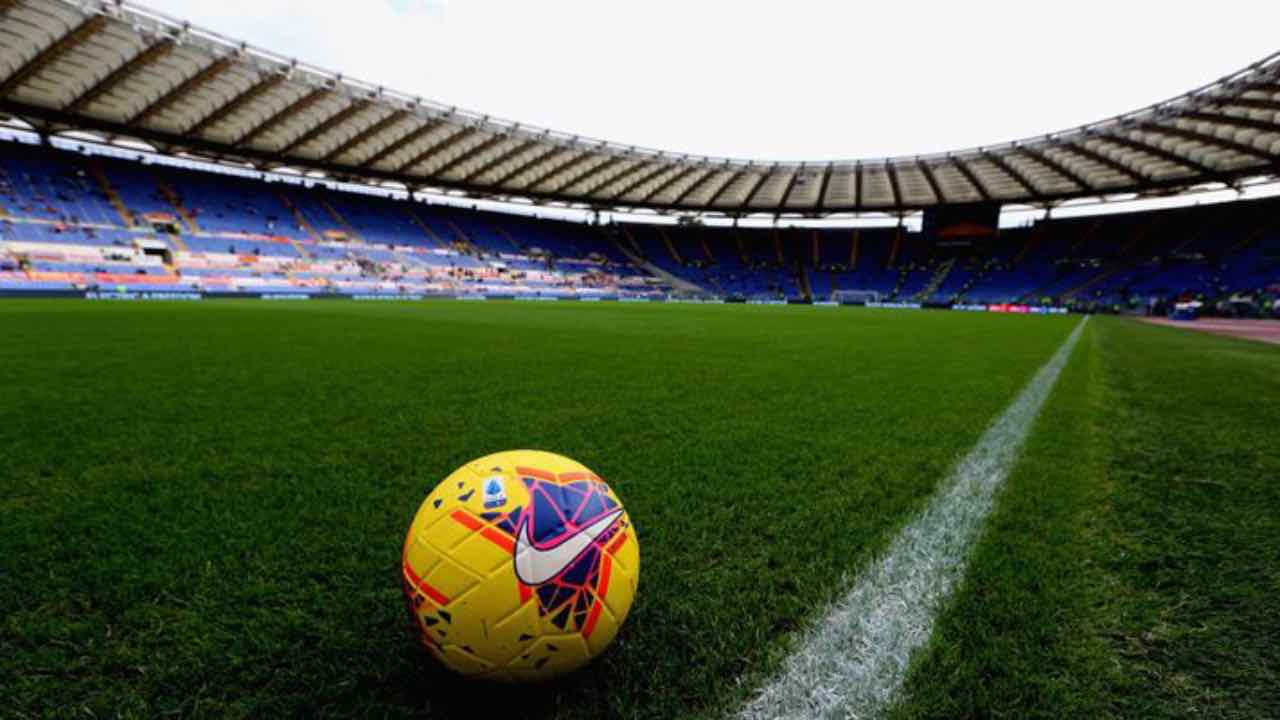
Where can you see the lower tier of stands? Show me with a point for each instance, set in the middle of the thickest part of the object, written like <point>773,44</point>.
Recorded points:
<point>71,222</point>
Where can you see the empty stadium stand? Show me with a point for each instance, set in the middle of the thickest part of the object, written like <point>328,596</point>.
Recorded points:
<point>75,222</point>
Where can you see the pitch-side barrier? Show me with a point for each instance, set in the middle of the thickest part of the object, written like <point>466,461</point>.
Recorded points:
<point>114,295</point>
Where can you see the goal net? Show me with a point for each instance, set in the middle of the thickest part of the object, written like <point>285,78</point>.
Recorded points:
<point>856,297</point>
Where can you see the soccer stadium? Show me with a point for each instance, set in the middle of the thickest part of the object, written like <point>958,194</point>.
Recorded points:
<point>323,399</point>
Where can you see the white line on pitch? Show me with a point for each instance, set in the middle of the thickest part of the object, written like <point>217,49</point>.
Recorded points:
<point>852,662</point>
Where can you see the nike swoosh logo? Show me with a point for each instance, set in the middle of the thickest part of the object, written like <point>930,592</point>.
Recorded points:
<point>535,566</point>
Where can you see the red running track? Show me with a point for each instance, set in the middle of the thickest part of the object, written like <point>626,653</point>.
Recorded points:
<point>1267,331</point>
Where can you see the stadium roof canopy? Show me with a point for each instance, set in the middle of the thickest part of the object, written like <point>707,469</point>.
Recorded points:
<point>125,72</point>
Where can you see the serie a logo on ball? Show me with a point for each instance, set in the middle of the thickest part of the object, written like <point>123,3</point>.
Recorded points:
<point>520,566</point>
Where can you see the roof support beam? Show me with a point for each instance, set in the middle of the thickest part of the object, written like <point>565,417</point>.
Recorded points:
<point>503,157</point>
<point>343,115</point>
<point>553,170</point>
<point>931,179</point>
<point>365,134</point>
<point>1235,120</point>
<point>294,108</point>
<point>606,165</point>
<point>113,79</point>
<point>404,142</point>
<point>791,185</point>
<point>755,188</point>
<point>52,53</point>
<point>695,186</point>
<point>1078,147</point>
<point>720,191</point>
<point>225,110</point>
<point>445,143</point>
<point>1156,151</point>
<point>39,116</point>
<point>1018,177</point>
<point>967,171</point>
<point>892,172</point>
<point>471,154</point>
<point>640,179</point>
<point>529,164</point>
<point>857,191</point>
<point>822,189</point>
<point>182,89</point>
<point>682,175</point>
<point>1261,86</point>
<point>1251,103</point>
<point>1055,166</point>
<point>1222,143</point>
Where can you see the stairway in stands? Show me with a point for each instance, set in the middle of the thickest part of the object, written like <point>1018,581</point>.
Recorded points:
<point>978,276</point>
<point>1091,283</point>
<point>347,227</point>
<point>802,280</point>
<point>626,243</point>
<point>893,256</point>
<point>671,247</point>
<point>939,277</point>
<point>622,239</point>
<point>302,250</point>
<point>1124,260</point>
<point>463,239</point>
<point>104,184</point>
<point>1033,242</point>
<point>299,218</point>
<point>515,244</point>
<point>426,229</point>
<point>743,256</point>
<point>169,194</point>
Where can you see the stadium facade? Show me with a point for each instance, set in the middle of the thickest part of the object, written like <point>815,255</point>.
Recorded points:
<point>77,221</point>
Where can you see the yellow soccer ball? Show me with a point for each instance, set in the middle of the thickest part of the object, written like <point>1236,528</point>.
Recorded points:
<point>520,566</point>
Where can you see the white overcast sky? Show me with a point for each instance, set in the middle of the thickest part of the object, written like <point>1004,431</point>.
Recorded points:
<point>780,80</point>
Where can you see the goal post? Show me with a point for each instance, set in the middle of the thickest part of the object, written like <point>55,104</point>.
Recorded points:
<point>857,297</point>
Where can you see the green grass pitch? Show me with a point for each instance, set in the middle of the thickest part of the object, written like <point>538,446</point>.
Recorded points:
<point>201,506</point>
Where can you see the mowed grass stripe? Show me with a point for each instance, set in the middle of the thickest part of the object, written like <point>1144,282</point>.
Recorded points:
<point>202,506</point>
<point>1133,566</point>
<point>854,660</point>
<point>1015,639</point>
